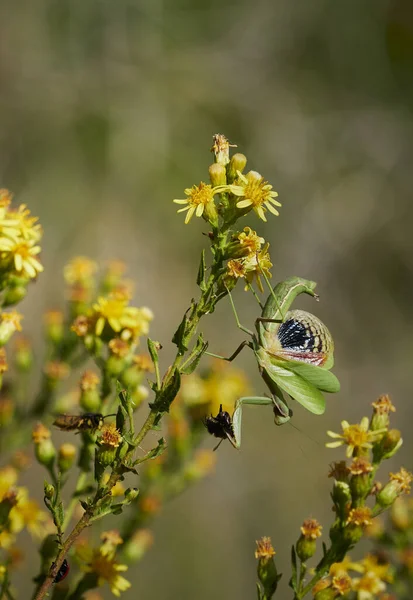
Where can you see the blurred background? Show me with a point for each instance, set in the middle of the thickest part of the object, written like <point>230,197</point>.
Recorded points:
<point>107,114</point>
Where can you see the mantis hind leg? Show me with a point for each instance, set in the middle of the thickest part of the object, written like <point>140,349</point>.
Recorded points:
<point>233,355</point>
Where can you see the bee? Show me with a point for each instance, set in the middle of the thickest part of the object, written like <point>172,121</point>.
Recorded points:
<point>221,427</point>
<point>87,421</point>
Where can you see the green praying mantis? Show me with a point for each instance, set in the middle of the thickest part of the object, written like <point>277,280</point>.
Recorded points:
<point>294,352</point>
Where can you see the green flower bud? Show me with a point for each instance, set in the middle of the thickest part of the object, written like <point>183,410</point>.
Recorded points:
<point>43,446</point>
<point>66,457</point>
<point>106,455</point>
<point>360,486</point>
<point>217,175</point>
<point>388,445</point>
<point>326,594</point>
<point>23,355</point>
<point>49,490</point>
<point>16,292</point>
<point>341,496</point>
<point>136,548</point>
<point>352,534</point>
<point>115,365</point>
<point>54,322</point>
<point>237,163</point>
<point>399,484</point>
<point>131,494</point>
<point>210,214</point>
<point>266,569</point>
<point>305,548</point>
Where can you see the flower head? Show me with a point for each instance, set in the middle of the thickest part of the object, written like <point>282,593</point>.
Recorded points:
<point>360,516</point>
<point>105,567</point>
<point>110,435</point>
<point>80,270</point>
<point>200,199</point>
<point>383,405</point>
<point>341,584</point>
<point>360,466</point>
<point>402,480</point>
<point>357,437</point>
<point>311,529</point>
<point>264,548</point>
<point>257,194</point>
<point>368,586</point>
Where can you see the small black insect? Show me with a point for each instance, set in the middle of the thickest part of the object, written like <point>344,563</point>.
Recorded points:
<point>62,572</point>
<point>80,422</point>
<point>221,427</point>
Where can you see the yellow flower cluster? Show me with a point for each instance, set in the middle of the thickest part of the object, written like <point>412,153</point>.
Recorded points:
<point>20,234</point>
<point>254,259</point>
<point>112,317</point>
<point>24,512</point>
<point>373,577</point>
<point>102,562</point>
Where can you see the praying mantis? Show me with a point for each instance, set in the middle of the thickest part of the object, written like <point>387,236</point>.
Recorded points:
<point>294,351</point>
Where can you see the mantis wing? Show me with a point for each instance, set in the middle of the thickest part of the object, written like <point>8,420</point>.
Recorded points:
<point>298,388</point>
<point>237,416</point>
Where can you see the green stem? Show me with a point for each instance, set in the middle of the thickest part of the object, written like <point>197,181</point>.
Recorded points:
<point>74,501</point>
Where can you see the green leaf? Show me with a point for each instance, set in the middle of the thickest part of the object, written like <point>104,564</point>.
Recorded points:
<point>200,280</point>
<point>293,580</point>
<point>199,350</point>
<point>153,350</point>
<point>180,334</point>
<point>166,396</point>
<point>298,388</point>
<point>321,378</point>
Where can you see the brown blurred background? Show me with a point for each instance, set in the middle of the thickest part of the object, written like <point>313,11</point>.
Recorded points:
<point>107,113</point>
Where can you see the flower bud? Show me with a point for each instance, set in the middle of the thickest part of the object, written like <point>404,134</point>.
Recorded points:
<point>381,411</point>
<point>305,548</point>
<point>131,494</point>
<point>400,515</point>
<point>23,354</point>
<point>220,149</point>
<point>237,163</point>
<point>15,292</point>
<point>54,325</point>
<point>388,445</point>
<point>49,490</point>
<point>9,323</point>
<point>266,569</point>
<point>89,394</point>
<point>326,594</point>
<point>43,446</point>
<point>341,496</point>
<point>217,175</point>
<point>115,365</point>
<point>66,457</point>
<point>137,547</point>
<point>131,377</point>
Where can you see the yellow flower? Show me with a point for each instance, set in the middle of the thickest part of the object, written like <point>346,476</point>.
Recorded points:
<point>224,385</point>
<point>360,516</point>
<point>368,586</point>
<point>27,225</point>
<point>25,258</point>
<point>343,567</point>
<point>111,436</point>
<point>200,199</point>
<point>8,478</point>
<point>9,323</point>
<point>341,584</point>
<point>311,529</point>
<point>360,466</point>
<point>402,480</point>
<point>80,270</point>
<point>356,437</point>
<point>89,381</point>
<point>40,433</point>
<point>27,514</point>
<point>117,490</point>
<point>264,548</point>
<point>383,405</point>
<point>110,541</point>
<point>106,568</point>
<point>114,311</point>
<point>371,564</point>
<point>250,241</point>
<point>119,347</point>
<point>258,194</point>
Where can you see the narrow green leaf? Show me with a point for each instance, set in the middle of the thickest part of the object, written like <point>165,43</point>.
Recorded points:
<point>168,394</point>
<point>293,580</point>
<point>153,350</point>
<point>199,350</point>
<point>200,280</point>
